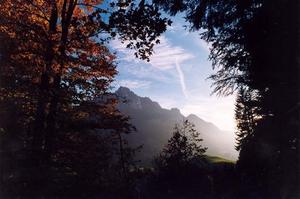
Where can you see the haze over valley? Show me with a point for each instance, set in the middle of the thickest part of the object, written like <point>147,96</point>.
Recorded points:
<point>135,99</point>
<point>155,125</point>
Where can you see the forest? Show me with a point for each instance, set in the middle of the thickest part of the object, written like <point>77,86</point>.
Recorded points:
<point>63,136</point>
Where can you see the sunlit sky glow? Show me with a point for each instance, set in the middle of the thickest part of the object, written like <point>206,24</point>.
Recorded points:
<point>176,76</point>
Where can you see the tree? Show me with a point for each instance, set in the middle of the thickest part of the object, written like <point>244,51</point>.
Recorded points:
<point>179,164</point>
<point>222,24</point>
<point>237,31</point>
<point>183,146</point>
<point>247,115</point>
<point>63,27</point>
<point>56,67</point>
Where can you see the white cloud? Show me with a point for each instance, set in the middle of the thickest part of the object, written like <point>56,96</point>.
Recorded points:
<point>182,28</point>
<point>164,56</point>
<point>133,84</point>
<point>144,71</point>
<point>182,79</point>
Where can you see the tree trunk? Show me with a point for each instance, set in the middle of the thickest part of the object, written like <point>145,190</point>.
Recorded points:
<point>66,16</point>
<point>43,99</point>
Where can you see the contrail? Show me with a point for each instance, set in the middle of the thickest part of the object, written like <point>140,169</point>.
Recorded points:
<point>181,78</point>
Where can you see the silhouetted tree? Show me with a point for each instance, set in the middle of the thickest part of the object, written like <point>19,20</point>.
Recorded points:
<point>183,146</point>
<point>254,44</point>
<point>246,115</point>
<point>55,65</point>
<point>180,165</point>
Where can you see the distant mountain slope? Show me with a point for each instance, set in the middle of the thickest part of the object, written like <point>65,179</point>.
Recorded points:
<point>155,125</point>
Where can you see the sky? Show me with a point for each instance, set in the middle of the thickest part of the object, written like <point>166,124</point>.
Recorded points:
<point>176,76</point>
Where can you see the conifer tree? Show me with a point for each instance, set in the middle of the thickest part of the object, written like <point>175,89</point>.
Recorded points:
<point>183,146</point>
<point>243,57</point>
<point>246,115</point>
<point>180,164</point>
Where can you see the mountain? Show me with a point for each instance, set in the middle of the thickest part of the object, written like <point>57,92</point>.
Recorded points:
<point>155,125</point>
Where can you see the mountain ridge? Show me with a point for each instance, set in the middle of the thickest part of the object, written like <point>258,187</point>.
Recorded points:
<point>155,124</point>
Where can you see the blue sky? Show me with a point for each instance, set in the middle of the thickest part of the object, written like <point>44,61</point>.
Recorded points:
<point>176,76</point>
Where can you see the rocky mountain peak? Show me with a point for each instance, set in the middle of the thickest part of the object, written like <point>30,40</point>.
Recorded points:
<point>135,101</point>
<point>175,110</point>
<point>155,125</point>
<point>125,92</point>
<point>193,117</point>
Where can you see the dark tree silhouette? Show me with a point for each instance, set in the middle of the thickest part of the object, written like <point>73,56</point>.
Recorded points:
<point>181,164</point>
<point>247,115</point>
<point>56,72</point>
<point>255,45</point>
<point>183,146</point>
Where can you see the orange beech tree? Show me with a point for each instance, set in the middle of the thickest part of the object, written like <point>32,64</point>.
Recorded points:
<point>56,71</point>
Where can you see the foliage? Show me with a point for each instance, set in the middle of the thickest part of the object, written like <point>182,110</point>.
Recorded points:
<point>253,46</point>
<point>56,72</point>
<point>139,26</point>
<point>183,146</point>
<point>180,166</point>
<point>247,115</point>
<point>222,25</point>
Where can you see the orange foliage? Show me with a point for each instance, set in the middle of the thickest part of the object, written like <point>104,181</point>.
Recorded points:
<point>67,40</point>
<point>54,38</point>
